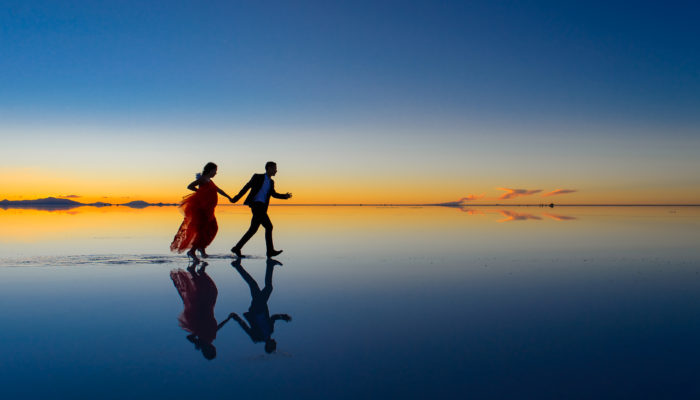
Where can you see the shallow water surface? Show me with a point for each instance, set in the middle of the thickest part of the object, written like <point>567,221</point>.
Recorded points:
<point>413,302</point>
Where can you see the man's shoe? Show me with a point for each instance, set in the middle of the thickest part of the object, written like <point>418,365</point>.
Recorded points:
<point>273,253</point>
<point>236,251</point>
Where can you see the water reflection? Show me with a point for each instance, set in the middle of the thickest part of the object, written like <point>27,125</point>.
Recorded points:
<point>511,215</point>
<point>557,217</point>
<point>258,323</point>
<point>198,293</point>
<point>515,216</point>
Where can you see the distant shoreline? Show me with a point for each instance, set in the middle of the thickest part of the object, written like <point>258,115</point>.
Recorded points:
<point>476,205</point>
<point>43,206</point>
<point>53,203</point>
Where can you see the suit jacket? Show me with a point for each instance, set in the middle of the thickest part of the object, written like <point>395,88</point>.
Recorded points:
<point>254,185</point>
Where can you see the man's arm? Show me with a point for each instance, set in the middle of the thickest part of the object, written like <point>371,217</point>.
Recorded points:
<point>284,317</point>
<point>276,195</point>
<point>243,191</point>
<point>242,323</point>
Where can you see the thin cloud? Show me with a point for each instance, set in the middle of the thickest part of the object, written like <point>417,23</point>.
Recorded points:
<point>70,196</point>
<point>513,193</point>
<point>471,197</point>
<point>559,191</point>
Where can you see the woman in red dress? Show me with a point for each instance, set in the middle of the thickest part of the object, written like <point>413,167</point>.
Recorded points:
<point>199,226</point>
<point>198,293</point>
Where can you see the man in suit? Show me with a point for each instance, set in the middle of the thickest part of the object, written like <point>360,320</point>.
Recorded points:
<point>261,187</point>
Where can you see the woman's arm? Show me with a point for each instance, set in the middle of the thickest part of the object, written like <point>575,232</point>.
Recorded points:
<point>224,322</point>
<point>221,192</point>
<point>193,186</point>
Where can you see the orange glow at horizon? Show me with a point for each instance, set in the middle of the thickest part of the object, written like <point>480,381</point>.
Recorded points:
<point>114,188</point>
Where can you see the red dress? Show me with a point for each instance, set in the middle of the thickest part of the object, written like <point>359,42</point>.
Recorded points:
<point>198,295</point>
<point>199,227</point>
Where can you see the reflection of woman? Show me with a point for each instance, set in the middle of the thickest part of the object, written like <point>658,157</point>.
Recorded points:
<point>198,293</point>
<point>199,226</point>
<point>260,324</point>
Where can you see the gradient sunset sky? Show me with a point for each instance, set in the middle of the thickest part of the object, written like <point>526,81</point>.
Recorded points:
<point>357,101</point>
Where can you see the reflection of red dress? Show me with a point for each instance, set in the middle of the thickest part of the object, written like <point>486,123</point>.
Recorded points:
<point>199,227</point>
<point>199,297</point>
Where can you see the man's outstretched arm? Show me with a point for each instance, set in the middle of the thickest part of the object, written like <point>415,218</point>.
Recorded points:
<point>276,195</point>
<point>242,323</point>
<point>243,191</point>
<point>284,317</point>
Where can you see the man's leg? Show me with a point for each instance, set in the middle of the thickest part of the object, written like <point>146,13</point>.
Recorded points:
<point>254,225</point>
<point>254,288</point>
<point>267,290</point>
<point>267,224</point>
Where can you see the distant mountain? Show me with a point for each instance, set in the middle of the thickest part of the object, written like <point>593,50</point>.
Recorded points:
<point>144,204</point>
<point>136,204</point>
<point>49,204</point>
<point>47,201</point>
<point>53,203</point>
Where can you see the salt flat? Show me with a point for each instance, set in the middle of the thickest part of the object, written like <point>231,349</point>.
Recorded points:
<point>525,302</point>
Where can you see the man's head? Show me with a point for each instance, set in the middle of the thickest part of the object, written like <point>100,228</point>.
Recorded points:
<point>270,346</point>
<point>270,168</point>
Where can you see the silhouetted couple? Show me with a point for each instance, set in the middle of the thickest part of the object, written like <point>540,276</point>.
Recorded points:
<point>199,226</point>
<point>199,293</point>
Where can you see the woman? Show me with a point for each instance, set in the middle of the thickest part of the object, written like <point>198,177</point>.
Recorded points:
<point>199,227</point>
<point>198,293</point>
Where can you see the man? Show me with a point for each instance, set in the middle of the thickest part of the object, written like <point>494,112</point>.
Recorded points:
<point>260,324</point>
<point>261,187</point>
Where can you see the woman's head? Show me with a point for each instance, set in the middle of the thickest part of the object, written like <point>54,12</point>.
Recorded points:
<point>209,169</point>
<point>209,351</point>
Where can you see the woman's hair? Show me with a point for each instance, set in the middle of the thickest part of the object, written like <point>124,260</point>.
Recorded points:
<point>207,169</point>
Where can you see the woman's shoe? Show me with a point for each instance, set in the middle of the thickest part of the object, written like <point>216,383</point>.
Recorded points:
<point>192,255</point>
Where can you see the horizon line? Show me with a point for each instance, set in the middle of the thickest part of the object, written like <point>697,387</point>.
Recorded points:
<point>445,204</point>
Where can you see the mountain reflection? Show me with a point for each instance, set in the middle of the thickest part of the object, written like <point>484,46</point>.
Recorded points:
<point>258,323</point>
<point>198,293</point>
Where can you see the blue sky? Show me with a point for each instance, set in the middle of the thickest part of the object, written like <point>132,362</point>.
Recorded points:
<point>419,72</point>
<point>607,59</point>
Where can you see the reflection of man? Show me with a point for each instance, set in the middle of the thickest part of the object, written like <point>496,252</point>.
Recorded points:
<point>261,187</point>
<point>260,324</point>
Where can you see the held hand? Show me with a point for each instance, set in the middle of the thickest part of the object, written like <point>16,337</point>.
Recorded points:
<point>233,199</point>
<point>234,316</point>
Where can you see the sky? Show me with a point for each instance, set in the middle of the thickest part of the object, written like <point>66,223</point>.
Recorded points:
<point>357,101</point>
